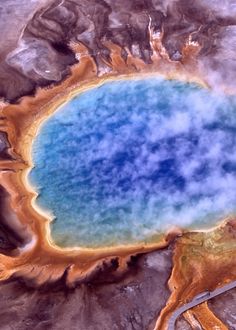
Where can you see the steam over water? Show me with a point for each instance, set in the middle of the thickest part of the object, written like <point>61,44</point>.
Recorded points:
<point>127,160</point>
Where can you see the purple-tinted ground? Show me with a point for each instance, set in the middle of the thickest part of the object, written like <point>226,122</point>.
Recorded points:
<point>34,52</point>
<point>132,302</point>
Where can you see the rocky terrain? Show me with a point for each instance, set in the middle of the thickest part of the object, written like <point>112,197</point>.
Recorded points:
<point>37,51</point>
<point>34,47</point>
<point>133,302</point>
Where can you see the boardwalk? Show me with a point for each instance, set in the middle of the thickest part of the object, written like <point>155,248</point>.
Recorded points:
<point>199,299</point>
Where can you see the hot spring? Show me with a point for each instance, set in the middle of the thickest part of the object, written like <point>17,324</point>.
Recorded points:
<point>123,162</point>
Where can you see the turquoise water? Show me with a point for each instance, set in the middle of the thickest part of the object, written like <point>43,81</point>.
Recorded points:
<point>127,160</point>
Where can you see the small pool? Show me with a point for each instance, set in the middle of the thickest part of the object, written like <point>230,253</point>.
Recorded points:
<point>128,160</point>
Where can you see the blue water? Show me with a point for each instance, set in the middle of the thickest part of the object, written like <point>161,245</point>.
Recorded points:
<point>127,160</point>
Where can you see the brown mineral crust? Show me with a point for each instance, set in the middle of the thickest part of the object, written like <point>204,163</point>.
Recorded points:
<point>224,308</point>
<point>14,18</point>
<point>217,312</point>
<point>130,302</point>
<point>190,318</point>
<point>41,55</point>
<point>206,318</point>
<point>182,324</point>
<point>21,123</point>
<point>42,262</point>
<point>202,261</point>
<point>111,40</point>
<point>10,238</point>
<point>4,147</point>
<point>39,261</point>
<point>22,119</point>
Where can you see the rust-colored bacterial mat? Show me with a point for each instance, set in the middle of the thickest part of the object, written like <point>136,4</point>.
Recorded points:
<point>117,164</point>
